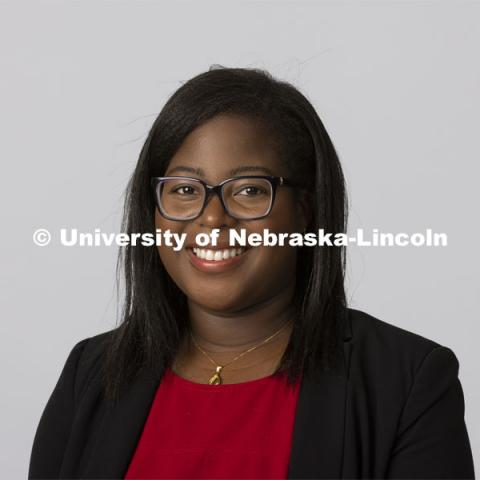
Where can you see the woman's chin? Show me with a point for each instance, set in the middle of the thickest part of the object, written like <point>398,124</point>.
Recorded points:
<point>222,302</point>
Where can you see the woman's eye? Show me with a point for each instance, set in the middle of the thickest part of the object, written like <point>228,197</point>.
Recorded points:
<point>184,190</point>
<point>251,191</point>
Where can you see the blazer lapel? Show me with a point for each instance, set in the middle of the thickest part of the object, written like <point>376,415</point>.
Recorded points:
<point>318,435</point>
<point>120,429</point>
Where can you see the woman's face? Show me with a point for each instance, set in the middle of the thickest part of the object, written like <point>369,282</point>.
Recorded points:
<point>214,149</point>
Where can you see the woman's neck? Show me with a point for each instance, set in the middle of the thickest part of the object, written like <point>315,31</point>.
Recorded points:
<point>225,336</point>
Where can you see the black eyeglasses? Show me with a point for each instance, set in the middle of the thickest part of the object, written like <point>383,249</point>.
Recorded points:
<point>244,197</point>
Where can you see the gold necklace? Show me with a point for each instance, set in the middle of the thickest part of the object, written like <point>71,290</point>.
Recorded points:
<point>216,379</point>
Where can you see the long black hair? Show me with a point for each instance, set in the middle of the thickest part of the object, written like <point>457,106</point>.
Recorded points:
<point>154,315</point>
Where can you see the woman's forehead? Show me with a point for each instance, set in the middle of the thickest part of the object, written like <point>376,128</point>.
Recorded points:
<point>227,145</point>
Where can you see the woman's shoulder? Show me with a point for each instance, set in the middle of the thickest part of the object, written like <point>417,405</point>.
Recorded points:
<point>384,348</point>
<point>84,360</point>
<point>365,327</point>
<point>93,347</point>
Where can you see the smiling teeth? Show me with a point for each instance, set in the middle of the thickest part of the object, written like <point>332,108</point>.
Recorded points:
<point>217,255</point>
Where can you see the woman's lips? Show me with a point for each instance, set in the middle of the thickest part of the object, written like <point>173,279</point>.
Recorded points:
<point>215,266</point>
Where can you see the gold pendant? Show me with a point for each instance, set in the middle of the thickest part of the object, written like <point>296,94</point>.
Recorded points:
<point>216,379</point>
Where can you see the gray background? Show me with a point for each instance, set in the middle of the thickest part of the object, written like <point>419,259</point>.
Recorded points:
<point>396,84</point>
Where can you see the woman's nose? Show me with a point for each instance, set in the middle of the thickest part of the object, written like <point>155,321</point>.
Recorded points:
<point>214,214</point>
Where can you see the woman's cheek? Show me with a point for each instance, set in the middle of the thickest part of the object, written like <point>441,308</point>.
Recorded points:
<point>274,262</point>
<point>170,260</point>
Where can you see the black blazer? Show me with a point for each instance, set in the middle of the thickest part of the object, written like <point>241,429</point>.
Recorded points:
<point>394,410</point>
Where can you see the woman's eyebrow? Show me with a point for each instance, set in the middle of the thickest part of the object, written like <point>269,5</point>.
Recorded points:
<point>196,171</point>
<point>234,171</point>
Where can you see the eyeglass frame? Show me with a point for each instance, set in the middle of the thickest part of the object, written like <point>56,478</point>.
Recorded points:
<point>218,189</point>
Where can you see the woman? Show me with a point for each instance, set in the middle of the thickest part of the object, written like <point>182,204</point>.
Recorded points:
<point>247,363</point>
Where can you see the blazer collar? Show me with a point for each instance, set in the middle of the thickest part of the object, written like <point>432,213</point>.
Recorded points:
<point>317,442</point>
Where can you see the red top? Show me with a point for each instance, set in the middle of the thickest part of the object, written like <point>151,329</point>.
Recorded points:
<point>194,430</point>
